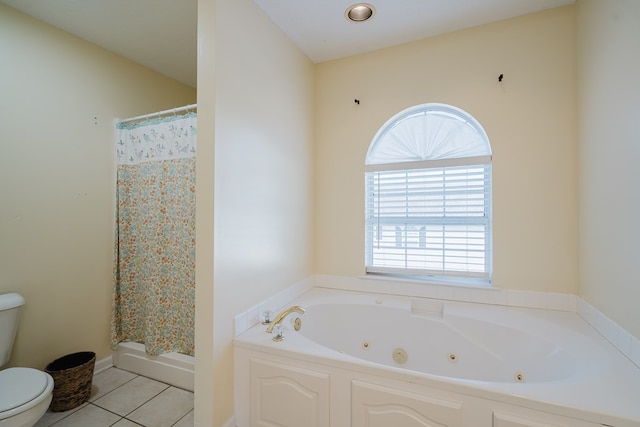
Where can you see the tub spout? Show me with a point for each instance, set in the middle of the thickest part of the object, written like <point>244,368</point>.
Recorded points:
<point>280,317</point>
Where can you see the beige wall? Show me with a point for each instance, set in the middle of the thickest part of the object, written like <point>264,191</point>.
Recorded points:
<point>609,135</point>
<point>261,210</point>
<point>59,97</point>
<point>529,118</point>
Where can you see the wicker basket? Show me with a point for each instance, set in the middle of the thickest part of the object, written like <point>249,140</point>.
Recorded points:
<point>72,375</point>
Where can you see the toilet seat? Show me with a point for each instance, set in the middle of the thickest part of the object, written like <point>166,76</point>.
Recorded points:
<point>19,386</point>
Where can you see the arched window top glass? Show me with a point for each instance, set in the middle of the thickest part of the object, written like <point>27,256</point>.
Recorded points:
<point>428,132</point>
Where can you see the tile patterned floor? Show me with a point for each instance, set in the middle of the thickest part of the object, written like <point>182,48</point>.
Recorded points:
<point>123,399</point>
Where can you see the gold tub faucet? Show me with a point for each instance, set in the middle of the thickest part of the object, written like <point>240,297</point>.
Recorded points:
<point>280,317</point>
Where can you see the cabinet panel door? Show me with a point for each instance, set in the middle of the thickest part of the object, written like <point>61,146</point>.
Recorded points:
<point>380,406</point>
<point>288,396</point>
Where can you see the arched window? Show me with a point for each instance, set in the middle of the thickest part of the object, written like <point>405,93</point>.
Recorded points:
<point>428,195</point>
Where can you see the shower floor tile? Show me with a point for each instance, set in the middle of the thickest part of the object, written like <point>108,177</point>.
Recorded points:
<point>123,399</point>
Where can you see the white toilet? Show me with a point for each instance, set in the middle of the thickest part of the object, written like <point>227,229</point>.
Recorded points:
<point>25,393</point>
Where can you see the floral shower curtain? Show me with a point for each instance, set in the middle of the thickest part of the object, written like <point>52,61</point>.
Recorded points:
<point>154,271</point>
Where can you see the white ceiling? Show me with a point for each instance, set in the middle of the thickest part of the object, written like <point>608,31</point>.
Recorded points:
<point>321,30</point>
<point>162,34</point>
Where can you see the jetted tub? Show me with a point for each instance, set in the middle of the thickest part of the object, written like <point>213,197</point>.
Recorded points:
<point>372,360</point>
<point>464,341</point>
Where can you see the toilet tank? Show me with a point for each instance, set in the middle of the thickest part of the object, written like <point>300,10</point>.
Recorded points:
<point>9,317</point>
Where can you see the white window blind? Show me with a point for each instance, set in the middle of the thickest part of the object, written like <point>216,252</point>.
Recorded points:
<point>428,195</point>
<point>429,221</point>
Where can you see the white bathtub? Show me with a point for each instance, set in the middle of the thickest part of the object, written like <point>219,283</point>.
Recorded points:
<point>367,360</point>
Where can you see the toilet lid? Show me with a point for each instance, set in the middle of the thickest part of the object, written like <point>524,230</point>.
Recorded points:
<point>19,386</point>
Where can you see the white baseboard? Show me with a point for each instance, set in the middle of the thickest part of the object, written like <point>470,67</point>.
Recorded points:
<point>103,364</point>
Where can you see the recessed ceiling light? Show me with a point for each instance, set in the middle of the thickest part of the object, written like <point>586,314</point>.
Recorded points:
<point>359,12</point>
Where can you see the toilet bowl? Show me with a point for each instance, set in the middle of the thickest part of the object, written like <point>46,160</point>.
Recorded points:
<point>25,395</point>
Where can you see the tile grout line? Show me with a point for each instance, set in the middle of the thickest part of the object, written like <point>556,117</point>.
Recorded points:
<point>147,401</point>
<point>91,402</point>
<point>109,392</point>
<point>182,418</point>
<point>136,408</point>
<point>61,422</point>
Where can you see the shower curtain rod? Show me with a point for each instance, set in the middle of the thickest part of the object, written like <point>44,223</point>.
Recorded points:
<point>161,113</point>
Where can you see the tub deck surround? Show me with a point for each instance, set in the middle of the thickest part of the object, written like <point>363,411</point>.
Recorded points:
<point>411,288</point>
<point>483,355</point>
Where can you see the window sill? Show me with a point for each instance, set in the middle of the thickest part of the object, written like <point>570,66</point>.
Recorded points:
<point>432,280</point>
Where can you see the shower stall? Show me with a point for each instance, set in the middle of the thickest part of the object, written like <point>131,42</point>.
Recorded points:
<point>153,315</point>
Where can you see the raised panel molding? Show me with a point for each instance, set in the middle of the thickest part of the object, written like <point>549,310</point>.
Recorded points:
<point>536,419</point>
<point>511,420</point>
<point>379,406</point>
<point>286,396</point>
